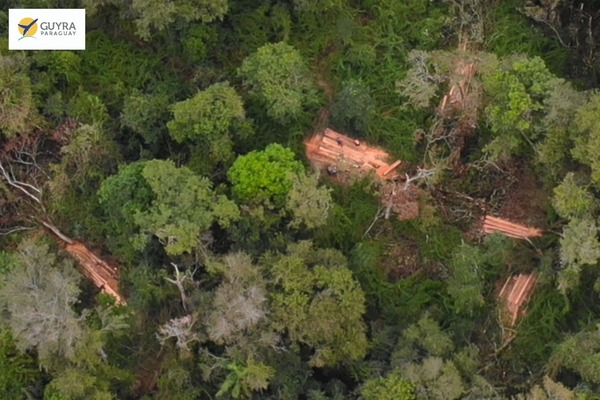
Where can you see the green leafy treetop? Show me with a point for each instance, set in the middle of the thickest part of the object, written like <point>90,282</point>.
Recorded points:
<point>264,177</point>
<point>317,301</point>
<point>244,378</point>
<point>211,112</point>
<point>587,141</point>
<point>435,379</point>
<point>184,206</point>
<point>278,77</point>
<point>175,204</point>
<point>156,15</point>
<point>308,202</point>
<point>393,386</point>
<point>18,370</point>
<point>17,106</point>
<point>572,200</point>
<point>122,196</point>
<point>465,285</point>
<point>549,390</point>
<point>210,118</point>
<point>579,247</point>
<point>517,93</point>
<point>579,353</point>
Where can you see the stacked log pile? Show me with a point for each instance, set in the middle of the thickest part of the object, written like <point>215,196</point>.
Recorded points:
<point>517,289</point>
<point>332,149</point>
<point>510,229</point>
<point>515,293</point>
<point>102,274</point>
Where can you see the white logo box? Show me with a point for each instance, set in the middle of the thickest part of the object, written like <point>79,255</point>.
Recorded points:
<point>46,29</point>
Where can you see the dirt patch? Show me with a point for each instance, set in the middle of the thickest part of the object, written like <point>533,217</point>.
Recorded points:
<point>403,202</point>
<point>525,200</point>
<point>148,374</point>
<point>400,260</point>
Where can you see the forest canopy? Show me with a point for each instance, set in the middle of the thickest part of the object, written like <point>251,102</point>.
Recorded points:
<point>165,234</point>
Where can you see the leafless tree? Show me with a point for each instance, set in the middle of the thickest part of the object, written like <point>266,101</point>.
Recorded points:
<point>180,280</point>
<point>181,329</point>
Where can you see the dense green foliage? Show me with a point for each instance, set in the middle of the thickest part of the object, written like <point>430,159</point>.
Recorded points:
<point>264,177</point>
<point>173,147</point>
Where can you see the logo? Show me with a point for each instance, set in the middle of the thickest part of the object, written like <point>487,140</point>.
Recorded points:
<point>28,27</point>
<point>46,29</point>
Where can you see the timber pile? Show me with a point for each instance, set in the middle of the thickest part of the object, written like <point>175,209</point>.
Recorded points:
<point>510,229</point>
<point>104,275</point>
<point>517,289</point>
<point>515,295</point>
<point>338,153</point>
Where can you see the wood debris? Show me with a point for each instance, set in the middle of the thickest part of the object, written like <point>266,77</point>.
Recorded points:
<point>402,200</point>
<point>510,229</point>
<point>102,274</point>
<point>333,151</point>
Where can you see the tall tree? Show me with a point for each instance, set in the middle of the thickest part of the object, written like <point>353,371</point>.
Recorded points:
<point>549,390</point>
<point>465,285</point>
<point>39,296</point>
<point>316,301</point>
<point>571,199</point>
<point>122,196</point>
<point>89,157</point>
<point>517,93</point>
<point>151,16</point>
<point>264,177</point>
<point>146,115</point>
<point>18,372</point>
<point>579,353</point>
<point>210,119</point>
<point>277,75</point>
<point>174,204</point>
<point>17,106</point>
<point>392,386</point>
<point>587,137</point>
<point>579,247</point>
<point>308,203</point>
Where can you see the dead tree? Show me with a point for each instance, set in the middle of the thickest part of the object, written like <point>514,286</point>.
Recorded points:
<point>179,281</point>
<point>25,162</point>
<point>23,177</point>
<point>181,329</point>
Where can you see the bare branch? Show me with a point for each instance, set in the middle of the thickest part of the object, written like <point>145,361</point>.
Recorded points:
<point>421,174</point>
<point>21,186</point>
<point>179,281</point>
<point>378,215</point>
<point>57,232</point>
<point>179,328</point>
<point>16,229</point>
